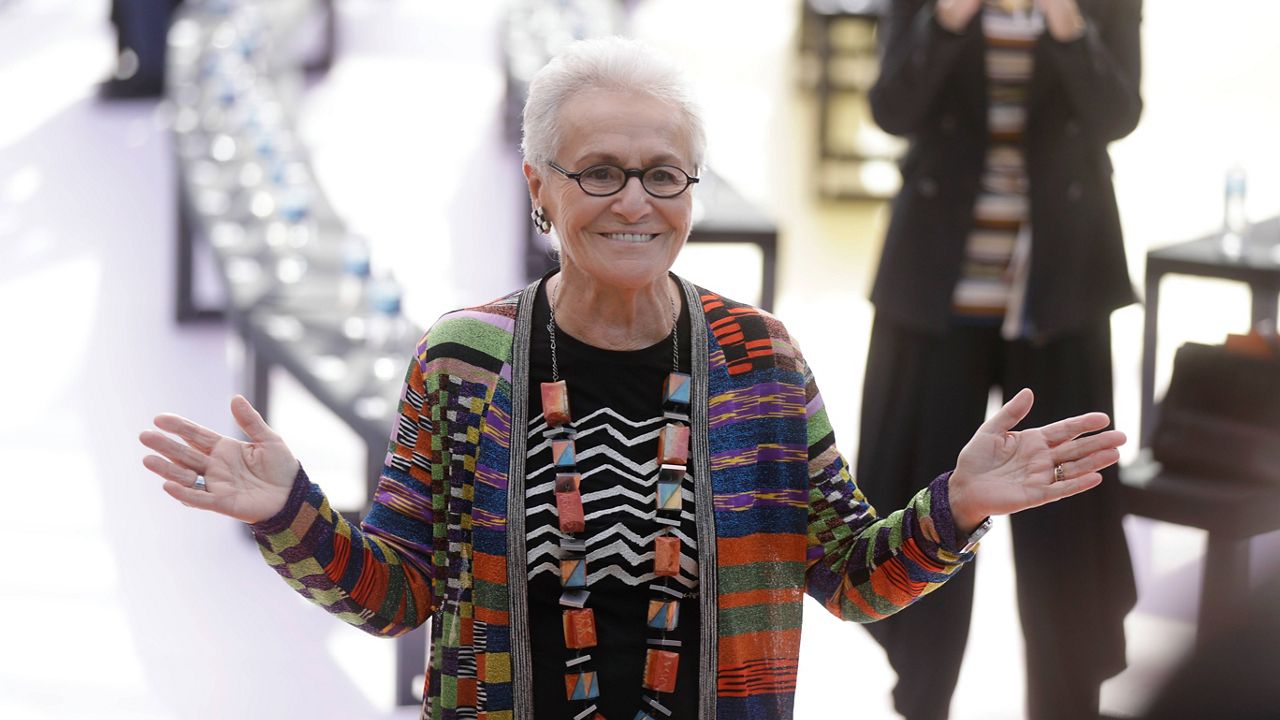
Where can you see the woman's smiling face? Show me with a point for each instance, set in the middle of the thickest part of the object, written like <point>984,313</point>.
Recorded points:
<point>630,239</point>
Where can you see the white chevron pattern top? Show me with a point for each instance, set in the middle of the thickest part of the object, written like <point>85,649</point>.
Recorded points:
<point>617,459</point>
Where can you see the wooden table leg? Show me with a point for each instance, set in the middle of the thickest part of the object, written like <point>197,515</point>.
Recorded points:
<point>1149,338</point>
<point>1224,586</point>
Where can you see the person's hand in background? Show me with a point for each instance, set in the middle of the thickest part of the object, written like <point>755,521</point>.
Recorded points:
<point>954,15</point>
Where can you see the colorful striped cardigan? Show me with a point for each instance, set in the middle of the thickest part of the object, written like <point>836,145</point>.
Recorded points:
<point>777,511</point>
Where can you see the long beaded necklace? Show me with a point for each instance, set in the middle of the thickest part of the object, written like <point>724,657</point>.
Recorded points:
<point>662,657</point>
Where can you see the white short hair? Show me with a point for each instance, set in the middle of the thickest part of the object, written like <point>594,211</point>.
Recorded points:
<point>611,63</point>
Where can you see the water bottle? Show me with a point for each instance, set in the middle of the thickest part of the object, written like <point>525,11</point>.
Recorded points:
<point>355,273</point>
<point>1235,222</point>
<point>387,331</point>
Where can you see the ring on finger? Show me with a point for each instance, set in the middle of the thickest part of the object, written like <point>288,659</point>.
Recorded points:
<point>1059,474</point>
<point>201,485</point>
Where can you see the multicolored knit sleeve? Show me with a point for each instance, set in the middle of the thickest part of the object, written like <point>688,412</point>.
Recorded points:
<point>378,576</point>
<point>862,567</point>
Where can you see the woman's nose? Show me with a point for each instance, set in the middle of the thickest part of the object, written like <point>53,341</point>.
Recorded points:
<point>632,202</point>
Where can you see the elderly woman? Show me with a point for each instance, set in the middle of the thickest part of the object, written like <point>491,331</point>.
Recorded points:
<point>610,491</point>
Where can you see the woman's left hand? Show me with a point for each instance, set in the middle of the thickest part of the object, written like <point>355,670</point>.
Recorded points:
<point>1063,18</point>
<point>1001,471</point>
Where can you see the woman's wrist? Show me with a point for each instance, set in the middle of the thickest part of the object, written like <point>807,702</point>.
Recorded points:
<point>966,519</point>
<point>293,500</point>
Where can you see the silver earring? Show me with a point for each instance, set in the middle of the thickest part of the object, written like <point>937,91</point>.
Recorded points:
<point>540,221</point>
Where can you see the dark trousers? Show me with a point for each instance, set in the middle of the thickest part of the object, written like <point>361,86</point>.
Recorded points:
<point>924,396</point>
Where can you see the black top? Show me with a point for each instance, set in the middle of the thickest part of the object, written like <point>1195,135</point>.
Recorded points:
<point>615,400</point>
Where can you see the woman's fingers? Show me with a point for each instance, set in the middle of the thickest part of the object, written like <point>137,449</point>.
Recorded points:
<point>191,497</point>
<point>196,435</point>
<point>1063,430</point>
<point>169,471</point>
<point>250,420</point>
<point>177,452</point>
<point>1071,486</point>
<point>1091,463</point>
<point>1010,414</point>
<point>1080,447</point>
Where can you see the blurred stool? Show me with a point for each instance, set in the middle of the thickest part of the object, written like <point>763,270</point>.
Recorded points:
<point>1231,511</point>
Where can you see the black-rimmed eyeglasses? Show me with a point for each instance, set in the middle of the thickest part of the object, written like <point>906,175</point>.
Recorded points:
<point>603,180</point>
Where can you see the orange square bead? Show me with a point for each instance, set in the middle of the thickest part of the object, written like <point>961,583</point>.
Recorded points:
<point>569,509</point>
<point>666,555</point>
<point>660,670</point>
<point>555,403</point>
<point>579,629</point>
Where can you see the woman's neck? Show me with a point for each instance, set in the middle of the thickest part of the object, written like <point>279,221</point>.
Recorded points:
<point>609,317</point>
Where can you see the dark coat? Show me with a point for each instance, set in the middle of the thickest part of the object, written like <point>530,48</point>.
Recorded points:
<point>1083,94</point>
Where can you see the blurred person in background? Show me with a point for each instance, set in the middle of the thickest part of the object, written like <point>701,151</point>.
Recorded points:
<point>1001,267</point>
<point>611,490</point>
<point>142,28</point>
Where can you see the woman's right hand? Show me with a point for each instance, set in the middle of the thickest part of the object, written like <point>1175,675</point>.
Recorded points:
<point>954,15</point>
<point>249,481</point>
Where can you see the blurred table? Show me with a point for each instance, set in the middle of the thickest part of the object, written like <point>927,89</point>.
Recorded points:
<point>1231,512</point>
<point>1257,265</point>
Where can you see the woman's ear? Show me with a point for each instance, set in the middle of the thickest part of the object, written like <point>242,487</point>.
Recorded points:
<point>532,177</point>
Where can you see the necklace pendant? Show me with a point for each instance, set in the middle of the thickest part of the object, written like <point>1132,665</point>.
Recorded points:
<point>666,556</point>
<point>573,573</point>
<point>555,403</point>
<point>581,686</point>
<point>673,444</point>
<point>660,670</point>
<point>569,510</point>
<point>664,614</point>
<point>675,391</point>
<point>579,629</point>
<point>669,496</point>
<point>563,453</point>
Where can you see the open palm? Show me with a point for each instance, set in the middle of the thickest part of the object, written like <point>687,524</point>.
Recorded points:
<point>1000,471</point>
<point>249,481</point>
